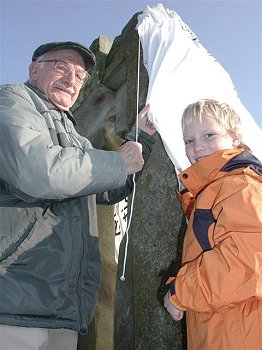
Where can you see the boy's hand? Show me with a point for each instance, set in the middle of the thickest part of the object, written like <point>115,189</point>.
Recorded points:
<point>143,122</point>
<point>176,314</point>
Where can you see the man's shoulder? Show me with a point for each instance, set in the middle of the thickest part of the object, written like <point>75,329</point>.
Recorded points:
<point>15,89</point>
<point>12,87</point>
<point>13,92</point>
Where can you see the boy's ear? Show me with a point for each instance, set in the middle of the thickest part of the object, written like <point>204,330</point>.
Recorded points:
<point>235,138</point>
<point>236,141</point>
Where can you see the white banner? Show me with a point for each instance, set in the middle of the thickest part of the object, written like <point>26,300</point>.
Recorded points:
<point>180,72</point>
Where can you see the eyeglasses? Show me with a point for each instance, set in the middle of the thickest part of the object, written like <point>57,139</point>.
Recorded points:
<point>64,68</point>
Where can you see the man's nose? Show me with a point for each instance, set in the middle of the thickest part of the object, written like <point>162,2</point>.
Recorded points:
<point>70,78</point>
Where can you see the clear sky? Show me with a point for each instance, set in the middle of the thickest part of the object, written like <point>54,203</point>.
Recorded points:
<point>230,30</point>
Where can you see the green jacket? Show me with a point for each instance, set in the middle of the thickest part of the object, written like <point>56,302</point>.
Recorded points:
<point>49,180</point>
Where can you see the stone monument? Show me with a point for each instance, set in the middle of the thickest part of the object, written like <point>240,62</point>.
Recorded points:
<point>129,314</point>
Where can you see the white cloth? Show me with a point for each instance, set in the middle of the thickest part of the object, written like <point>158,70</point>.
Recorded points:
<point>181,71</point>
<point>23,338</point>
<point>120,219</point>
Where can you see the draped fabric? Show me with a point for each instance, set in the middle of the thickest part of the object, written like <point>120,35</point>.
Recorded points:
<point>180,72</point>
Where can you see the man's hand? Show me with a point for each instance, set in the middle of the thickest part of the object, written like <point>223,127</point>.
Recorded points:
<point>176,314</point>
<point>143,122</point>
<point>131,151</point>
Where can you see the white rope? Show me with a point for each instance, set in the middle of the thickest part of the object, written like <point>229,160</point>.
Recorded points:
<point>122,278</point>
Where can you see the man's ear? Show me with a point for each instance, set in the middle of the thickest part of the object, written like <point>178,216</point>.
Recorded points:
<point>33,71</point>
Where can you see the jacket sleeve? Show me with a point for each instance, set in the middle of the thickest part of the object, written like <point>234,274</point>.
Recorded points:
<point>33,168</point>
<point>118,194</point>
<point>230,273</point>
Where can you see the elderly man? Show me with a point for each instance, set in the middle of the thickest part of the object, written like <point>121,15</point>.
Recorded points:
<point>50,181</point>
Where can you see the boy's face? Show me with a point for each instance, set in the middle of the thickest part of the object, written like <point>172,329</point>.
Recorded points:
<point>203,139</point>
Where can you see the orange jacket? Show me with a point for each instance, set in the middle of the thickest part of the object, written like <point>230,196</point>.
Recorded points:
<point>220,282</point>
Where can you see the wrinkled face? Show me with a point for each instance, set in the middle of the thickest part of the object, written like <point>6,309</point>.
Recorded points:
<point>206,137</point>
<point>61,89</point>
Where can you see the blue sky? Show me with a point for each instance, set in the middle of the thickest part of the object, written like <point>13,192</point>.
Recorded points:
<point>230,30</point>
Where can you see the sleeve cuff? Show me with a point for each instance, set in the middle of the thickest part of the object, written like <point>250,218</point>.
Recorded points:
<point>173,299</point>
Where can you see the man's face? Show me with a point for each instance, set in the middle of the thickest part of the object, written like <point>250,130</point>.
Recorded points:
<point>61,89</point>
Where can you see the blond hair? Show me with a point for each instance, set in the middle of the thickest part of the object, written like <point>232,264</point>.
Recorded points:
<point>225,115</point>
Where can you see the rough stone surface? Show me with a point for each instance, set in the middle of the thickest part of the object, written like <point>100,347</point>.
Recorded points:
<point>129,314</point>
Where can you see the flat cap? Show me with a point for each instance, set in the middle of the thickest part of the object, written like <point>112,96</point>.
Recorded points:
<point>86,53</point>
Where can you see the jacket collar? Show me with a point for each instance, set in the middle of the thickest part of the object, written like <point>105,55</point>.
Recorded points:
<point>216,165</point>
<point>49,104</point>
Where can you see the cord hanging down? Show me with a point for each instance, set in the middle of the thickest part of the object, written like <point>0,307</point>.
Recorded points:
<point>122,278</point>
